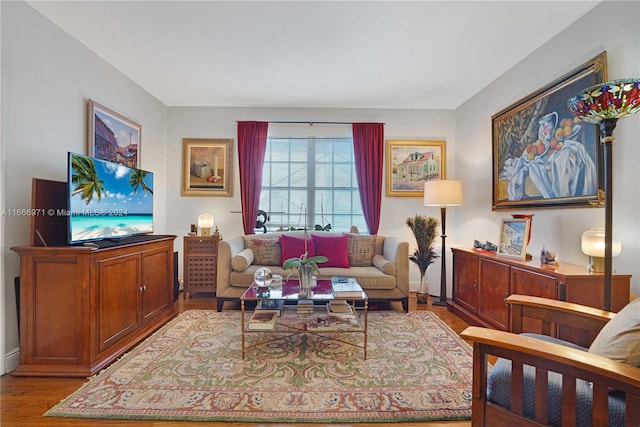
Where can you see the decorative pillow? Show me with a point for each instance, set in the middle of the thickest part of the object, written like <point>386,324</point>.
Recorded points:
<point>384,265</point>
<point>293,247</point>
<point>266,251</point>
<point>360,249</point>
<point>334,248</point>
<point>620,338</point>
<point>243,260</point>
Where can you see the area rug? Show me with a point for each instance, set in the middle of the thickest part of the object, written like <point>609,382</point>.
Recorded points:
<point>417,369</point>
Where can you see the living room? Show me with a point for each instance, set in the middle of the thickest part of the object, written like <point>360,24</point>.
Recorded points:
<point>48,76</point>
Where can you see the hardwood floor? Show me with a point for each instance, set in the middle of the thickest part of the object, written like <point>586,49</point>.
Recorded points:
<point>24,400</point>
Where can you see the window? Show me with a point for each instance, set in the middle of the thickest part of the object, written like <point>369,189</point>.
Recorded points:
<point>329,195</point>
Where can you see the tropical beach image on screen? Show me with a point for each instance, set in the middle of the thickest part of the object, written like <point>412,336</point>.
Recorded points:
<point>108,200</point>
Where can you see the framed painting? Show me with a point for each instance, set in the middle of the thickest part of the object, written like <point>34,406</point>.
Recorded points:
<point>542,155</point>
<point>207,167</point>
<point>411,163</point>
<point>113,137</point>
<point>513,238</point>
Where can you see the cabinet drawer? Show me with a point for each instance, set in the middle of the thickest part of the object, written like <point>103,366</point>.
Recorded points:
<point>201,245</point>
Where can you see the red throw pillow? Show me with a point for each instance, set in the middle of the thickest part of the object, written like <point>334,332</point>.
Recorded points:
<point>334,248</point>
<point>293,247</point>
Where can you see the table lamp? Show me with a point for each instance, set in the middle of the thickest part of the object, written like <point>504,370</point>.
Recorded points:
<point>205,222</point>
<point>603,105</point>
<point>443,193</point>
<point>593,245</point>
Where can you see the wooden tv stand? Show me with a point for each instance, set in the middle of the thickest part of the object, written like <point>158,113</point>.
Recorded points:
<point>82,307</point>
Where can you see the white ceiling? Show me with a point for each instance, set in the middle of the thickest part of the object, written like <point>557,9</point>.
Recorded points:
<point>357,54</point>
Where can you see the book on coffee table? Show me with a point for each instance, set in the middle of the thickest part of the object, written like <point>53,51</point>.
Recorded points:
<point>344,287</point>
<point>262,320</point>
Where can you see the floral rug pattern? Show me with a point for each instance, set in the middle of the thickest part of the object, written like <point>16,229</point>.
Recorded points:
<point>417,369</point>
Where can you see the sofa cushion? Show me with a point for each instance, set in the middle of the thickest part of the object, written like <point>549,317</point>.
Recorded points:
<point>384,265</point>
<point>266,251</point>
<point>360,249</point>
<point>293,247</point>
<point>334,248</point>
<point>243,260</point>
<point>620,338</point>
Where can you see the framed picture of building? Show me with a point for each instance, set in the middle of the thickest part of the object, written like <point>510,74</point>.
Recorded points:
<point>513,237</point>
<point>410,163</point>
<point>113,137</point>
<point>207,167</point>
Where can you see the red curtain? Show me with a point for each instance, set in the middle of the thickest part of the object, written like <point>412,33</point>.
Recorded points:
<point>252,144</point>
<point>368,145</point>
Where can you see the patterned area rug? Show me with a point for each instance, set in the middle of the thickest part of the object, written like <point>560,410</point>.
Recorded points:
<point>417,369</point>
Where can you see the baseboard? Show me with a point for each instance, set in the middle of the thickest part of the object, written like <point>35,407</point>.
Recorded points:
<point>12,359</point>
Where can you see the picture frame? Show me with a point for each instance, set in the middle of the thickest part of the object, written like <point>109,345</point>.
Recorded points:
<point>512,241</point>
<point>410,163</point>
<point>207,167</point>
<point>537,140</point>
<point>113,137</point>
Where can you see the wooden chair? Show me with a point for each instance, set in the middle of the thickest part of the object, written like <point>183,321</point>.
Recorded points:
<point>546,357</point>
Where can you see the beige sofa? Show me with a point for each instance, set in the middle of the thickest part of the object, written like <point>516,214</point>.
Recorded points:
<point>380,264</point>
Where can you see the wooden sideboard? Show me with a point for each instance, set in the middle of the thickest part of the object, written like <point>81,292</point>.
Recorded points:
<point>82,307</point>
<point>200,264</point>
<point>483,281</point>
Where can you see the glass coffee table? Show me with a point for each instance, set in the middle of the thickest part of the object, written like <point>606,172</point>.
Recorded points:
<point>317,320</point>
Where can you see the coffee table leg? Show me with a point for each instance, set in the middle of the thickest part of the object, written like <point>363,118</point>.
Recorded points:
<point>242,324</point>
<point>366,325</point>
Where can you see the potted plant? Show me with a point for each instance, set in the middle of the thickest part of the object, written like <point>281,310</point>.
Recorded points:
<point>424,230</point>
<point>305,266</point>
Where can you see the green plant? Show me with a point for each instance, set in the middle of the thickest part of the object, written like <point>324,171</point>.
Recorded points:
<point>302,260</point>
<point>424,230</point>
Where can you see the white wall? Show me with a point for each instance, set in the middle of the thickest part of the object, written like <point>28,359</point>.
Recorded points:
<point>221,123</point>
<point>47,78</point>
<point>557,229</point>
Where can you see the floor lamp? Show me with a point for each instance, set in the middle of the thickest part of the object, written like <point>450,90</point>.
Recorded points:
<point>443,193</point>
<point>603,105</point>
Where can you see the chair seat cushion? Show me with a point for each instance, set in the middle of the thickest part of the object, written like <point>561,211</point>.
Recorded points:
<point>499,391</point>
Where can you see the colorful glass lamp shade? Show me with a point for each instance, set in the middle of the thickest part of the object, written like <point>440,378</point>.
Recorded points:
<point>603,105</point>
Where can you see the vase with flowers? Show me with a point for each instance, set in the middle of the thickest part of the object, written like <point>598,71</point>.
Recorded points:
<point>424,230</point>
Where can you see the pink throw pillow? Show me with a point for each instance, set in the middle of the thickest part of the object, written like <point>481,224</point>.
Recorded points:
<point>293,247</point>
<point>334,248</point>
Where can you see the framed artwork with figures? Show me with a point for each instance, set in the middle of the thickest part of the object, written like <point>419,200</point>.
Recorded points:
<point>542,155</point>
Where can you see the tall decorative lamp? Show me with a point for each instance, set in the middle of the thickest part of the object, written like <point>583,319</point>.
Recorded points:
<point>443,193</point>
<point>603,105</point>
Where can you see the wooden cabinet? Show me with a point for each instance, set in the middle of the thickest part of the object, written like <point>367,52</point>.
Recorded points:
<point>482,282</point>
<point>82,307</point>
<point>200,264</point>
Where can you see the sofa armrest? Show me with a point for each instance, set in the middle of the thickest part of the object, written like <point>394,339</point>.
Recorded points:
<point>397,251</point>
<point>227,249</point>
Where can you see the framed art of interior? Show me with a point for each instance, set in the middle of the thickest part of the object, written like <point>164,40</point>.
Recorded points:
<point>542,155</point>
<point>513,238</point>
<point>410,163</point>
<point>207,167</point>
<point>113,137</point>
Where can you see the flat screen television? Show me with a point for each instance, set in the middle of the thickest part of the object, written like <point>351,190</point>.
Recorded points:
<point>107,200</point>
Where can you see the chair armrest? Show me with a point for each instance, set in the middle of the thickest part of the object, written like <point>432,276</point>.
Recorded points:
<point>227,249</point>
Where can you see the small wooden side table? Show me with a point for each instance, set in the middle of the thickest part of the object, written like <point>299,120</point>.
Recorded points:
<point>200,264</point>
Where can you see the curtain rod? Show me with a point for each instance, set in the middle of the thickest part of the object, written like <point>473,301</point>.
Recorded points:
<point>311,123</point>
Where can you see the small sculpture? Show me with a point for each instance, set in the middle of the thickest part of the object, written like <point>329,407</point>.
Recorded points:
<point>486,246</point>
<point>548,257</point>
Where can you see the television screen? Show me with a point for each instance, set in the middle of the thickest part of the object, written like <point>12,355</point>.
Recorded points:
<point>107,200</point>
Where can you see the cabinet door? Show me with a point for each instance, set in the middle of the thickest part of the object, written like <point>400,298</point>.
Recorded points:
<point>525,282</point>
<point>493,289</point>
<point>157,291</point>
<point>466,281</point>
<point>117,285</point>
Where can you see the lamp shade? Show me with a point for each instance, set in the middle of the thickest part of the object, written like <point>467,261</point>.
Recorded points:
<point>443,192</point>
<point>611,100</point>
<point>205,220</point>
<point>593,243</point>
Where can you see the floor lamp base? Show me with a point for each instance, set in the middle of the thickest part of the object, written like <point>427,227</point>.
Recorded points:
<point>439,302</point>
